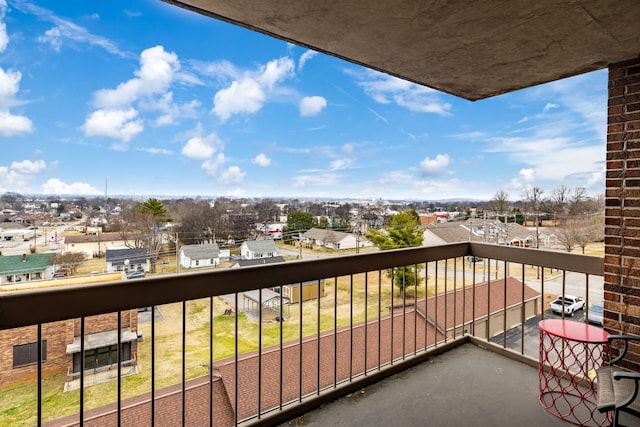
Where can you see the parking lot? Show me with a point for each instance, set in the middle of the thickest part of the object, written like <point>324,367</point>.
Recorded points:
<point>531,333</point>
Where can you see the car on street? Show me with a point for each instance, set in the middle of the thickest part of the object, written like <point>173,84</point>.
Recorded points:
<point>594,313</point>
<point>571,304</point>
<point>135,275</point>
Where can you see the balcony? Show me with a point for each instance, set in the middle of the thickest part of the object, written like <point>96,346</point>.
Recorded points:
<point>207,355</point>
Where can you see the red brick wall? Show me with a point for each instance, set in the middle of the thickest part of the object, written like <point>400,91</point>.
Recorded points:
<point>57,359</point>
<point>622,213</point>
<point>57,335</point>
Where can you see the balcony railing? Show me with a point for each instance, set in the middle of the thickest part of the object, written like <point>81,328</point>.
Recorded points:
<point>224,348</point>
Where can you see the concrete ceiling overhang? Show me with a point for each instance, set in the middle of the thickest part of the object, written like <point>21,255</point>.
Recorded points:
<point>472,49</point>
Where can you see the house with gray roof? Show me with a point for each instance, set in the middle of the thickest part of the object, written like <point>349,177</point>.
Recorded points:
<point>254,249</point>
<point>333,239</point>
<point>127,259</point>
<point>198,256</point>
<point>484,231</point>
<point>26,267</point>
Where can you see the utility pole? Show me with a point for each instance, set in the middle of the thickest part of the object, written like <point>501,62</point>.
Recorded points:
<point>177,255</point>
<point>300,244</point>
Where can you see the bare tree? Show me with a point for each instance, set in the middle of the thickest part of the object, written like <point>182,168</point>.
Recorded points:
<point>69,261</point>
<point>577,200</point>
<point>533,199</point>
<point>500,202</point>
<point>559,199</point>
<point>592,231</point>
<point>568,233</point>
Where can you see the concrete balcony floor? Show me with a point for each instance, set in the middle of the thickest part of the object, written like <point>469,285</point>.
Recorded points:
<point>466,386</point>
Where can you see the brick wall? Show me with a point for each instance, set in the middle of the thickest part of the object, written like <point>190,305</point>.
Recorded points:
<point>54,333</point>
<point>622,213</point>
<point>57,335</point>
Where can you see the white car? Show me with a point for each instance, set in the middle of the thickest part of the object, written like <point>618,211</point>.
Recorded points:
<point>571,305</point>
<point>594,314</point>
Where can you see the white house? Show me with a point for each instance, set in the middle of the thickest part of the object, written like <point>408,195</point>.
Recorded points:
<point>127,259</point>
<point>333,239</point>
<point>254,249</point>
<point>197,256</point>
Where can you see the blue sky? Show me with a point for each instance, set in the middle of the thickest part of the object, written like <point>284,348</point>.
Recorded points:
<point>145,99</point>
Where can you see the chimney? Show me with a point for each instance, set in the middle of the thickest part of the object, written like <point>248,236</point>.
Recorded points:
<point>24,257</point>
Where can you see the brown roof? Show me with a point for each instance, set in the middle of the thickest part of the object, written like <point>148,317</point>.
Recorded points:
<point>446,310</point>
<point>348,361</point>
<point>136,411</point>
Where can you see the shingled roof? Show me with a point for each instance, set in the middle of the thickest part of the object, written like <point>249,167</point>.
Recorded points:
<point>205,251</point>
<point>26,263</point>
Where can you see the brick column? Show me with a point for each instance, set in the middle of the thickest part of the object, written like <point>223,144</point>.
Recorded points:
<point>622,212</point>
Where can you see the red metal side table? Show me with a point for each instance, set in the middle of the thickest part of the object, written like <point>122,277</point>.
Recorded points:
<point>570,352</point>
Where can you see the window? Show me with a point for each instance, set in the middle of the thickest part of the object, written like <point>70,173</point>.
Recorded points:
<point>102,357</point>
<point>197,262</point>
<point>26,354</point>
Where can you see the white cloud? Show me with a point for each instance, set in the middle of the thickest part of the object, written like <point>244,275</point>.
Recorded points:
<point>276,71</point>
<point>248,94</point>
<point>17,176</point>
<point>28,167</point>
<point>156,72</point>
<point>307,55</point>
<point>386,89</point>
<point>312,105</point>
<point>200,148</point>
<point>432,167</point>
<point>338,164</point>
<point>211,166</point>
<point>318,179</point>
<point>261,160</point>
<point>4,38</point>
<point>55,186</point>
<point>232,175</point>
<point>120,124</point>
<point>550,106</point>
<point>11,124</point>
<point>149,89</point>
<point>156,151</point>
<point>66,31</point>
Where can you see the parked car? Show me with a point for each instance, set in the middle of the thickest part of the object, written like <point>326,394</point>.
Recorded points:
<point>571,305</point>
<point>135,275</point>
<point>594,313</point>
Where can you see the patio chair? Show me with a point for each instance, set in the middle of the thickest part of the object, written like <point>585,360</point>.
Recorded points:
<point>618,387</point>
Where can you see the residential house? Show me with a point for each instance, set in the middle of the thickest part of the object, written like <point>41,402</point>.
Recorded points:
<point>127,259</point>
<point>26,267</point>
<point>254,249</point>
<point>485,231</point>
<point>333,239</point>
<point>198,256</point>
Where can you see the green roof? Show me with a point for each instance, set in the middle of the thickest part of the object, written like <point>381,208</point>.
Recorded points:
<point>22,264</point>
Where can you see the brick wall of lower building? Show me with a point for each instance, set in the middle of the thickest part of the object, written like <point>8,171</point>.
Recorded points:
<point>57,359</point>
<point>622,213</point>
<point>107,322</point>
<point>57,335</point>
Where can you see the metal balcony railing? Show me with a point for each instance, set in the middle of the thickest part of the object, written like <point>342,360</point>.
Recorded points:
<point>225,347</point>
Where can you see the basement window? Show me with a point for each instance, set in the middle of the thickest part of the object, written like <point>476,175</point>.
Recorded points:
<point>27,354</point>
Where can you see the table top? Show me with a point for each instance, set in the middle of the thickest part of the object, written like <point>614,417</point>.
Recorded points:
<point>574,331</point>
